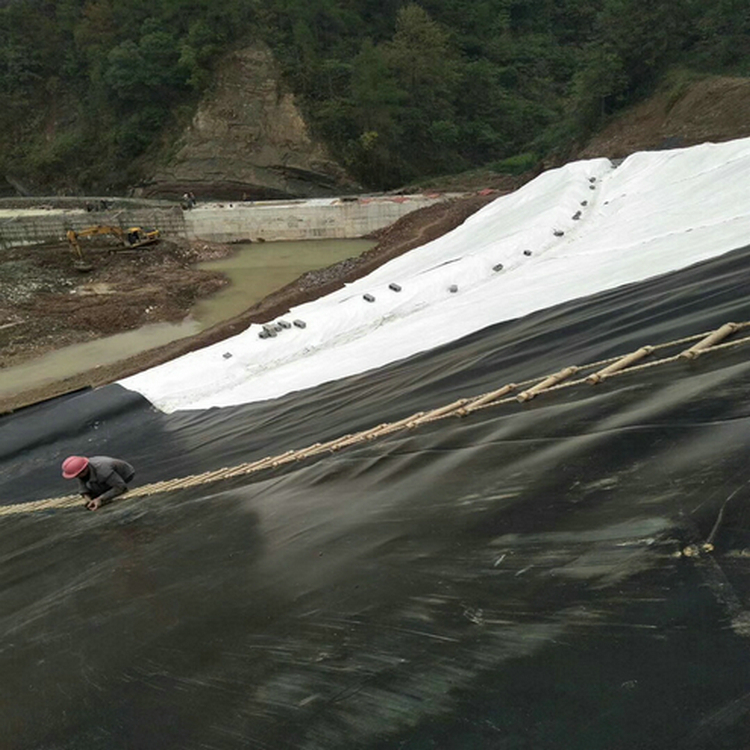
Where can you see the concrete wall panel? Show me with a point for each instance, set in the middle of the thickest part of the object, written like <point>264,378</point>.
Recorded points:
<point>214,222</point>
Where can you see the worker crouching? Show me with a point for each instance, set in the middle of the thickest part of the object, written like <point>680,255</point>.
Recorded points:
<point>100,478</point>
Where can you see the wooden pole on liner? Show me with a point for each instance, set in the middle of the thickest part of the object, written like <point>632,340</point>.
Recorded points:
<point>621,364</point>
<point>548,382</point>
<point>713,338</point>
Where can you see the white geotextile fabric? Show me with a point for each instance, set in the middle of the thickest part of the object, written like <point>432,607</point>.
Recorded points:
<point>655,213</point>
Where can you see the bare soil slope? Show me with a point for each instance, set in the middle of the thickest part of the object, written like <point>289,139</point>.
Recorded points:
<point>714,109</point>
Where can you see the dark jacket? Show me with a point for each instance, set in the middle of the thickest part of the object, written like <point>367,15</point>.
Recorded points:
<point>107,478</point>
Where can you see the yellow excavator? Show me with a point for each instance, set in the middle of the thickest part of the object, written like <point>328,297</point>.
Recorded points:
<point>130,238</point>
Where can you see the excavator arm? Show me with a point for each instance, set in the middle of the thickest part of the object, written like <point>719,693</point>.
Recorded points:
<point>133,237</point>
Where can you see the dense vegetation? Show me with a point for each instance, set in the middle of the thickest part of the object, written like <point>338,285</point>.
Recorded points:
<point>91,90</point>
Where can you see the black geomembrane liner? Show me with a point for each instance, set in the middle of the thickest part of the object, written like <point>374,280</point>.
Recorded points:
<point>513,579</point>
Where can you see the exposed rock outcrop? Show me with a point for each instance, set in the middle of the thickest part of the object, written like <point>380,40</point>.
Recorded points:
<point>249,140</point>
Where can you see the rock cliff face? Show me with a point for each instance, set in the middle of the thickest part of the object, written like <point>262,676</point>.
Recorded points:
<point>248,140</point>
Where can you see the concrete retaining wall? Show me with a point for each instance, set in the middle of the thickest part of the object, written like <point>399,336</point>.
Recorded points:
<point>299,220</point>
<point>269,221</point>
<point>35,226</point>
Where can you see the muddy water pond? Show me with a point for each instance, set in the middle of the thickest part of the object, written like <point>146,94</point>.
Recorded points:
<point>254,271</point>
<point>259,269</point>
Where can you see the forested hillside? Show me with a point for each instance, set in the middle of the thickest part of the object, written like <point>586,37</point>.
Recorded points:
<point>94,92</point>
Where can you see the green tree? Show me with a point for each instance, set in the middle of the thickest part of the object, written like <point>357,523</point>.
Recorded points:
<point>151,70</point>
<point>426,67</point>
<point>645,36</point>
<point>375,91</point>
<point>421,57</point>
<point>722,34</point>
<point>597,88</point>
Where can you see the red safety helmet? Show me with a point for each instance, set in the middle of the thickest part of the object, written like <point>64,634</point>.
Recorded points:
<point>72,466</point>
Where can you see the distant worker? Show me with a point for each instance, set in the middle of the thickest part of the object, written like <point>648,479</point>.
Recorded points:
<point>100,478</point>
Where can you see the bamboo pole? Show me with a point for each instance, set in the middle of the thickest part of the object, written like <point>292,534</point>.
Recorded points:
<point>713,338</point>
<point>548,382</point>
<point>621,364</point>
<point>487,398</point>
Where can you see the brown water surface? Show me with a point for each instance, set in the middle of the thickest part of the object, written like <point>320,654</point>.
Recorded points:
<point>261,268</point>
<point>254,272</point>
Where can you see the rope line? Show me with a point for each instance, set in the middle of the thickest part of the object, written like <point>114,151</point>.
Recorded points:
<point>522,392</point>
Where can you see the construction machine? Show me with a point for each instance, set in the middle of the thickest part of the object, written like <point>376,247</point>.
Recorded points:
<point>130,238</point>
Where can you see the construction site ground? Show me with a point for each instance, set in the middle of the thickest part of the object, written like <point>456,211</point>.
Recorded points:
<point>46,304</point>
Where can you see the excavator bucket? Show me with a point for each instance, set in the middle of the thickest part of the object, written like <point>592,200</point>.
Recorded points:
<point>80,263</point>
